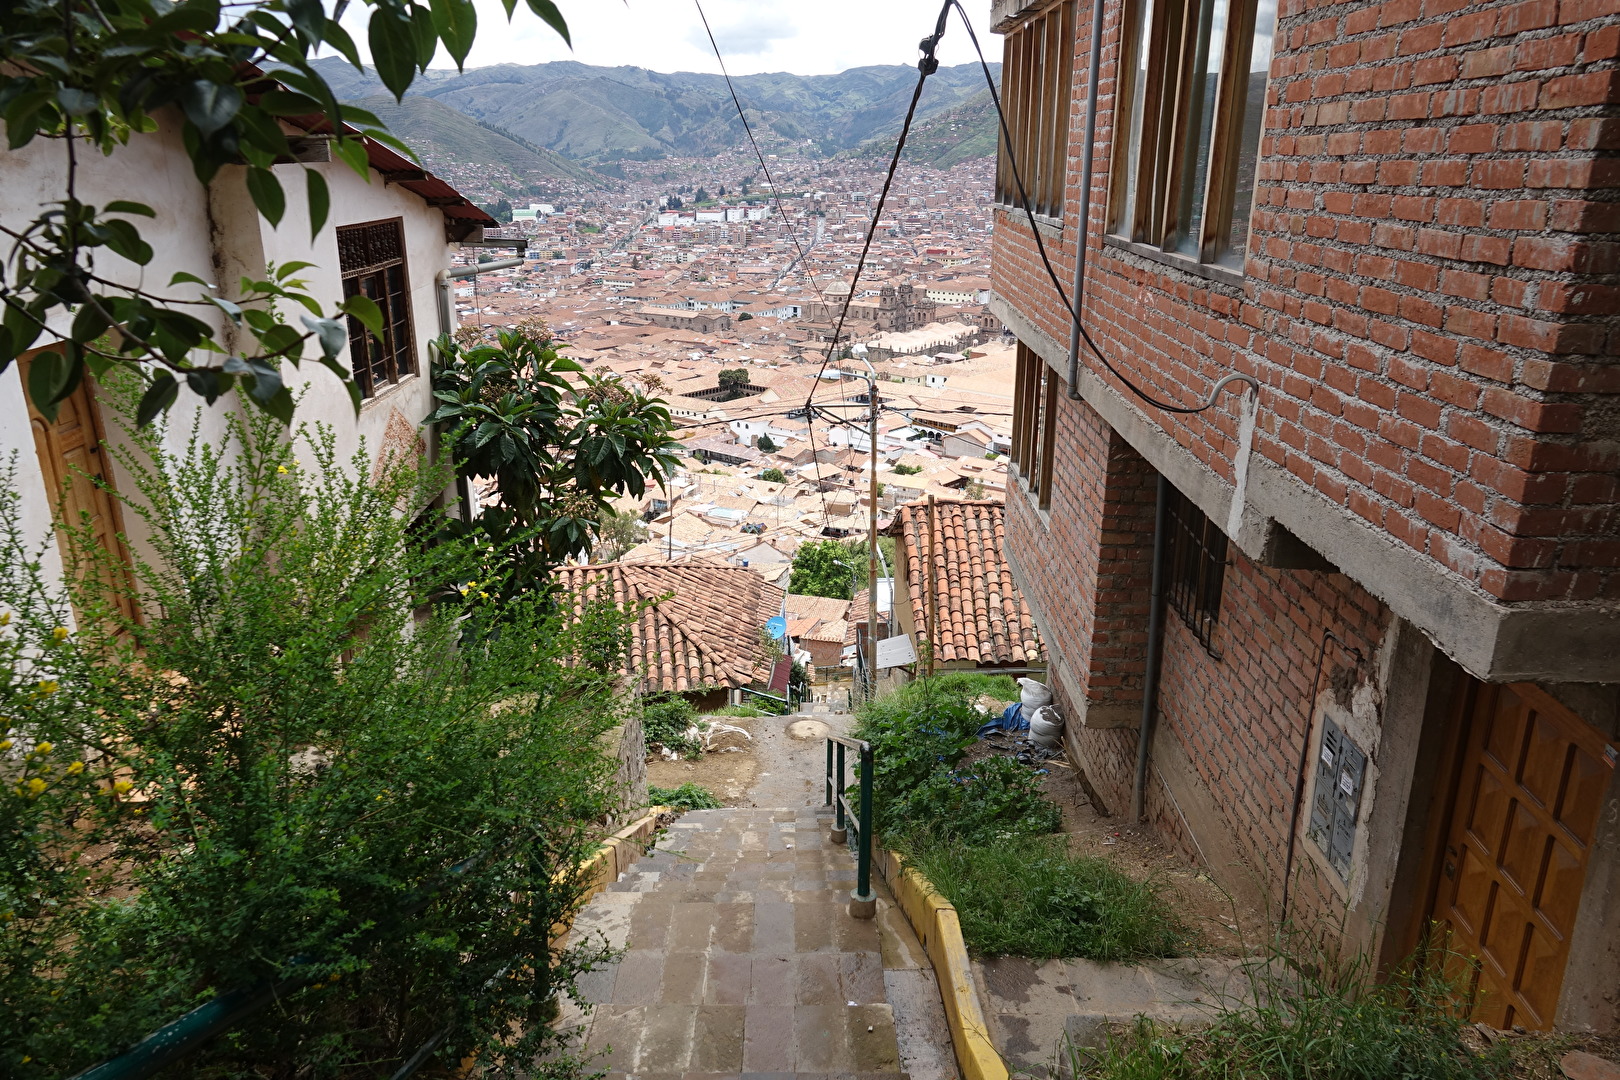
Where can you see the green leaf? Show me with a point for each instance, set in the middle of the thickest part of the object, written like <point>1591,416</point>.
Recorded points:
<point>309,16</point>
<point>457,24</point>
<point>123,206</point>
<point>158,397</point>
<point>50,379</point>
<point>282,339</point>
<point>393,49</point>
<point>279,405</point>
<point>89,323</point>
<point>76,102</point>
<point>383,136</point>
<point>338,38</point>
<point>210,105</point>
<point>353,152</point>
<point>365,309</point>
<point>320,201</point>
<point>267,195</point>
<point>125,239</point>
<point>329,332</point>
<point>426,35</point>
<point>551,17</point>
<point>206,383</point>
<point>287,269</point>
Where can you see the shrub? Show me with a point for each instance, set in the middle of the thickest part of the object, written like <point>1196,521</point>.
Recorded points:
<point>775,476</point>
<point>1026,896</point>
<point>995,798</point>
<point>1308,1013</point>
<point>688,796</point>
<point>312,764</point>
<point>666,721</point>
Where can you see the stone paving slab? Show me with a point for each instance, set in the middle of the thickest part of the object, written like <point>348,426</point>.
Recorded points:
<point>740,959</point>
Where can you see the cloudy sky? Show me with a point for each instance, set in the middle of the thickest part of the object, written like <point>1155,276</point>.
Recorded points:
<point>806,37</point>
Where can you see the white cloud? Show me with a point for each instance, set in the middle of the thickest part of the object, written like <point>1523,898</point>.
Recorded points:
<point>755,35</point>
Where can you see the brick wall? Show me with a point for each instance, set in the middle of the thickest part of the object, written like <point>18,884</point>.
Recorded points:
<point>1429,294</point>
<point>1239,717</point>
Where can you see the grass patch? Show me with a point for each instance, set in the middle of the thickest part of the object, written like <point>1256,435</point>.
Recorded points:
<point>1308,1014</point>
<point>1027,896</point>
<point>738,710</point>
<point>688,796</point>
<point>961,687</point>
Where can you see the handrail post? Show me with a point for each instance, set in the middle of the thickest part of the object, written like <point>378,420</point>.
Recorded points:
<point>827,786</point>
<point>862,904</point>
<point>839,833</point>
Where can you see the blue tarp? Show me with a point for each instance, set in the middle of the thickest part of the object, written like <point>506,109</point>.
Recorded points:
<point>1011,719</point>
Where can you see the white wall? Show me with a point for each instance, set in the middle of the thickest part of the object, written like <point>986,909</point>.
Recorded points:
<point>216,233</point>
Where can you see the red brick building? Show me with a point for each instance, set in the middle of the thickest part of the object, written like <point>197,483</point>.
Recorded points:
<point>1388,669</point>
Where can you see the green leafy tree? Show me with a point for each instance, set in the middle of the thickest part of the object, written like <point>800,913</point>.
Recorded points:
<point>617,534</point>
<point>775,476</point>
<point>501,211</point>
<point>558,449</point>
<point>907,470</point>
<point>701,196</point>
<point>308,770</point>
<point>824,568</point>
<point>767,445</point>
<point>95,75</point>
<point>733,379</point>
<point>744,317</point>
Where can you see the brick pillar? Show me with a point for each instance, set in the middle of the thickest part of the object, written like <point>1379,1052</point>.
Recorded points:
<point>1124,577</point>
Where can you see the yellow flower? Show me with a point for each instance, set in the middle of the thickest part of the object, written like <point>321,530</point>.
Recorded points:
<point>122,786</point>
<point>5,744</point>
<point>472,584</point>
<point>5,617</point>
<point>463,592</point>
<point>281,470</point>
<point>35,786</point>
<point>483,595</point>
<point>59,634</point>
<point>44,748</point>
<point>47,686</point>
<point>76,768</point>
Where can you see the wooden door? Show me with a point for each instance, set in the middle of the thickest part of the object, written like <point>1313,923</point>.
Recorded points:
<point>70,454</point>
<point>1531,781</point>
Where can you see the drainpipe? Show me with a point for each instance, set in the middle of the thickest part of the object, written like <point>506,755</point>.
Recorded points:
<point>1093,73</point>
<point>1150,689</point>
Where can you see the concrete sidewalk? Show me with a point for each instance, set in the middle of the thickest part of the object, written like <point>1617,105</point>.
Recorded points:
<point>741,961</point>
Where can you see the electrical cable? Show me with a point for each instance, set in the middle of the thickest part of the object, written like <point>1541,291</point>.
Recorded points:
<point>1040,245</point>
<point>793,234</point>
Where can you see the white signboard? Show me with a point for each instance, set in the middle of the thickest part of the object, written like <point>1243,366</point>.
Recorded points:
<point>895,652</point>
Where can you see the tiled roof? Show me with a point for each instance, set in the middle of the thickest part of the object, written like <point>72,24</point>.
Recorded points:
<point>982,618</point>
<point>700,627</point>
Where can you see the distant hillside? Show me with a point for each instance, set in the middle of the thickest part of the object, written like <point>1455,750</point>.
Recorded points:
<point>966,132</point>
<point>601,114</point>
<point>432,128</point>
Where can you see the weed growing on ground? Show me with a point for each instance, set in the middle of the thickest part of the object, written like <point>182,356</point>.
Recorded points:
<point>1307,1013</point>
<point>1027,896</point>
<point>666,722</point>
<point>688,796</point>
<point>997,797</point>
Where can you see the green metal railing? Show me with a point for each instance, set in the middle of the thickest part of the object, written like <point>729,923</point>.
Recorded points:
<point>853,819</point>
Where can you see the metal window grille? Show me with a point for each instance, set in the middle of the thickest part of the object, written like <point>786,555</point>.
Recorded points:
<point>1195,557</point>
<point>372,260</point>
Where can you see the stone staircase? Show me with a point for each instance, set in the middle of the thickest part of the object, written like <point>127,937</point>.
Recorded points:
<point>741,961</point>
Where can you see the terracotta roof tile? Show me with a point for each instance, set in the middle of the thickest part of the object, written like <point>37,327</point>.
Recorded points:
<point>982,618</point>
<point>699,626</point>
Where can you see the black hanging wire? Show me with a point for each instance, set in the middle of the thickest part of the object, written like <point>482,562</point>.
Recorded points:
<point>793,234</point>
<point>1040,245</point>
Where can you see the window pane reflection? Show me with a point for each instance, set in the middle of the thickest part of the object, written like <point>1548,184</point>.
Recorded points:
<point>1210,36</point>
<point>1141,19</point>
<point>1234,250</point>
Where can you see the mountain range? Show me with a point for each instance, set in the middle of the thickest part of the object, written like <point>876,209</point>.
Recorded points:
<point>597,115</point>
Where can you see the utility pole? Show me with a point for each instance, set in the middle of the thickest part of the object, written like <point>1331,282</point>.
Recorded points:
<point>871,538</point>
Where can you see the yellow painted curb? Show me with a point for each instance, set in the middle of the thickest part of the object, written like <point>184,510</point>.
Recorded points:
<point>619,852</point>
<point>934,920</point>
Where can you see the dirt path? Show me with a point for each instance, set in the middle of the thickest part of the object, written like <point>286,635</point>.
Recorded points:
<point>780,765</point>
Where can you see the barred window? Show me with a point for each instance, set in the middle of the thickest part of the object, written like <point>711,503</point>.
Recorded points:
<point>1195,565</point>
<point>1036,76</point>
<point>1035,393</point>
<point>372,260</point>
